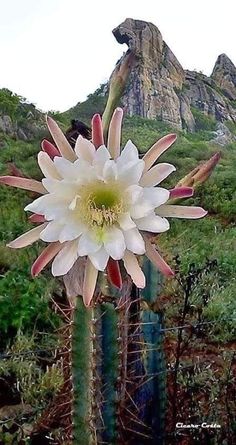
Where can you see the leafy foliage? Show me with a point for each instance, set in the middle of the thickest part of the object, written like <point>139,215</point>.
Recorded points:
<point>203,121</point>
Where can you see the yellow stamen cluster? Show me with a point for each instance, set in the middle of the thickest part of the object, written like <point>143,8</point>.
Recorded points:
<point>103,216</point>
<point>101,204</point>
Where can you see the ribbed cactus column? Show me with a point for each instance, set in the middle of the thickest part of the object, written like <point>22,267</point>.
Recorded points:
<point>110,366</point>
<point>82,373</point>
<point>154,362</point>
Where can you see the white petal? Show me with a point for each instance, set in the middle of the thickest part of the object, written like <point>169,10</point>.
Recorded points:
<point>65,259</point>
<point>114,243</point>
<point>99,258</point>
<point>141,209</point>
<point>156,195</point>
<point>131,172</point>
<point>101,155</point>
<point>52,232</point>
<point>128,154</point>
<point>52,207</point>
<point>85,149</point>
<point>135,192</point>
<point>156,174</point>
<point>47,166</point>
<point>134,241</point>
<point>153,223</point>
<point>70,231</point>
<point>66,168</point>
<point>60,188</point>
<point>134,270</point>
<point>27,238</point>
<point>109,171</point>
<point>176,211</point>
<point>87,245</point>
<point>125,222</point>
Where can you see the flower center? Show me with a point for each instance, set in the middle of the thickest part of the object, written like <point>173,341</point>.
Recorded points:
<point>101,204</point>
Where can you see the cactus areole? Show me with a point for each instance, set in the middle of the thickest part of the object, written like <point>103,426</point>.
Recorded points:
<point>101,203</point>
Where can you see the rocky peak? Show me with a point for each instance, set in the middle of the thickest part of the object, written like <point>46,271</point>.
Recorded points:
<point>159,87</point>
<point>156,75</point>
<point>224,75</point>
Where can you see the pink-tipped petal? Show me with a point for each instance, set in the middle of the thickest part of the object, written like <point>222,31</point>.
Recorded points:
<point>156,174</point>
<point>45,257</point>
<point>97,131</point>
<point>113,273</point>
<point>50,149</point>
<point>90,280</point>
<point>114,134</point>
<point>156,258</point>
<point>23,183</point>
<point>157,149</point>
<point>35,218</point>
<point>181,192</point>
<point>62,143</point>
<point>176,211</point>
<point>134,270</point>
<point>27,238</point>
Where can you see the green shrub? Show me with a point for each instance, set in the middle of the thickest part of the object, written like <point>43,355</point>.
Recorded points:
<point>203,121</point>
<point>24,303</point>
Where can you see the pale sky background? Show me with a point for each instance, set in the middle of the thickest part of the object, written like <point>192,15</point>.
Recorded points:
<point>56,52</point>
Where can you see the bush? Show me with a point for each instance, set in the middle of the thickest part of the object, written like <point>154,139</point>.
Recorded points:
<point>203,121</point>
<point>24,304</point>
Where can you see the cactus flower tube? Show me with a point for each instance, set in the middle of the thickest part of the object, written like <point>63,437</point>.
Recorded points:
<point>100,203</point>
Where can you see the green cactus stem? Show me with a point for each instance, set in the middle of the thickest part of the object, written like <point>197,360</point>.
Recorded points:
<point>82,372</point>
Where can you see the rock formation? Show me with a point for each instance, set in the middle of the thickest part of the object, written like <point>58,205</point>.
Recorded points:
<point>159,87</point>
<point>224,75</point>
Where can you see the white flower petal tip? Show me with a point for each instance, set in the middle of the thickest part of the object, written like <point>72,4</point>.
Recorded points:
<point>47,166</point>
<point>157,149</point>
<point>45,257</point>
<point>176,211</point>
<point>65,259</point>
<point>134,270</point>
<point>27,238</point>
<point>114,134</point>
<point>90,280</point>
<point>157,259</point>
<point>153,223</point>
<point>23,183</point>
<point>84,149</point>
<point>62,143</point>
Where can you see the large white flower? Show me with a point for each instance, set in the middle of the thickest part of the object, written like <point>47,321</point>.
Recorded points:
<point>99,203</point>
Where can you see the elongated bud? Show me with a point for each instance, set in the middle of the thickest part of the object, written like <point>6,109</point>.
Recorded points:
<point>117,85</point>
<point>14,170</point>
<point>200,173</point>
<point>97,131</point>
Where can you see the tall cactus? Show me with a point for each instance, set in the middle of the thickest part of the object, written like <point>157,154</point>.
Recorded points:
<point>118,386</point>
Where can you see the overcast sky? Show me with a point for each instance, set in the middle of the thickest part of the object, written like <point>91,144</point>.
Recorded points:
<point>56,52</point>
